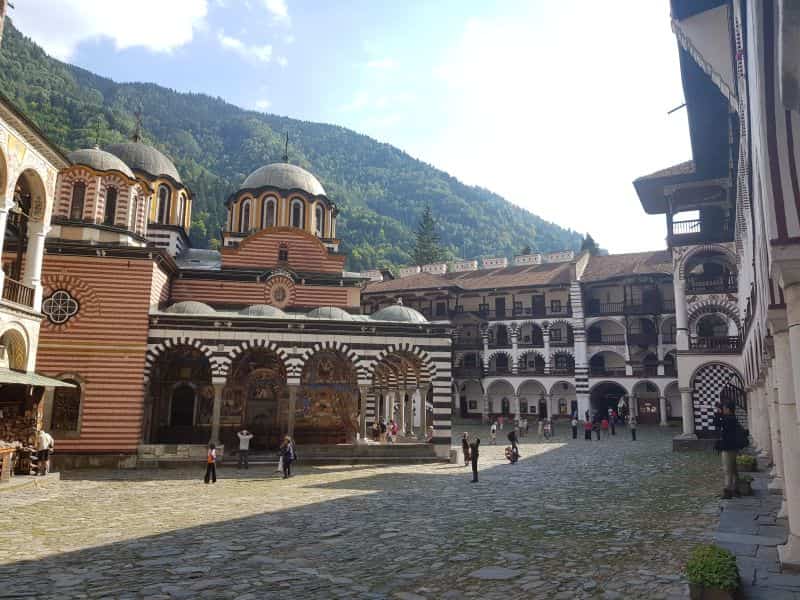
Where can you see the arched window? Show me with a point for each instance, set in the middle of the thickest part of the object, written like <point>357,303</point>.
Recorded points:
<point>269,213</point>
<point>181,209</point>
<point>111,206</point>
<point>283,252</point>
<point>78,196</point>
<point>244,217</point>
<point>66,408</point>
<point>163,204</point>
<point>297,213</point>
<point>319,220</point>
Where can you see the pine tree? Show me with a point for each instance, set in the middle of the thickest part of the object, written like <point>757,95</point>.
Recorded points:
<point>589,245</point>
<point>427,249</point>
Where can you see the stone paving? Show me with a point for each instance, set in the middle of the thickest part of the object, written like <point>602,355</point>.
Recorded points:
<point>573,519</point>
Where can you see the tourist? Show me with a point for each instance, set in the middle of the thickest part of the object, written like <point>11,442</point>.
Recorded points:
<point>473,456</point>
<point>730,442</point>
<point>376,431</point>
<point>612,422</point>
<point>574,424</point>
<point>596,426</point>
<point>211,464</point>
<point>587,430</point>
<point>493,433</point>
<point>632,426</point>
<point>500,420</point>
<point>391,431</point>
<point>44,447</point>
<point>287,456</point>
<point>604,427</point>
<point>383,429</point>
<point>512,437</point>
<point>244,448</point>
<point>512,454</point>
<point>465,447</point>
<point>527,426</point>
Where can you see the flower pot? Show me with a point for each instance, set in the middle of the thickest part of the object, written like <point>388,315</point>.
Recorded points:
<point>700,592</point>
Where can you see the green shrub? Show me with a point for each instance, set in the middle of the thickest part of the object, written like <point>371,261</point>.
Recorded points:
<point>713,567</point>
<point>746,478</point>
<point>746,461</point>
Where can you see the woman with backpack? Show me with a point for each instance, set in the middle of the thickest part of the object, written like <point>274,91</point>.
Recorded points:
<point>733,438</point>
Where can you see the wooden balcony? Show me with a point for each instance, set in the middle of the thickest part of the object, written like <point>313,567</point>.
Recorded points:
<point>606,339</point>
<point>18,293</point>
<point>715,345</point>
<point>711,285</point>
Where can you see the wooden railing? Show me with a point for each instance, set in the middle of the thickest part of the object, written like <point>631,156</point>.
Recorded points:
<point>710,285</point>
<point>607,339</point>
<point>713,345</point>
<point>17,292</point>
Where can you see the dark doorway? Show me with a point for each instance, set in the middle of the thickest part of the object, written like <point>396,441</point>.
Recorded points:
<point>605,396</point>
<point>506,407</point>
<point>500,307</point>
<point>502,337</point>
<point>463,407</point>
<point>542,409</point>
<point>538,306</point>
<point>182,409</point>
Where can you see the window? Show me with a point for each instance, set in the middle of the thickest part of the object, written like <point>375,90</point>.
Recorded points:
<point>441,309</point>
<point>563,362</point>
<point>297,213</point>
<point>78,195</point>
<point>319,220</point>
<point>269,212</point>
<point>66,408</point>
<point>523,406</point>
<point>244,217</point>
<point>111,206</point>
<point>555,306</point>
<point>555,335</point>
<point>163,204</point>
<point>60,307</point>
<point>283,252</point>
<point>562,406</point>
<point>181,209</point>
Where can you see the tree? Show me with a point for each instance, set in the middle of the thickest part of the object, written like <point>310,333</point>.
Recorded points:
<point>427,249</point>
<point>527,250</point>
<point>589,245</point>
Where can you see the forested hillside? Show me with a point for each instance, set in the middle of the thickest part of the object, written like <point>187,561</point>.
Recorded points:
<point>380,190</point>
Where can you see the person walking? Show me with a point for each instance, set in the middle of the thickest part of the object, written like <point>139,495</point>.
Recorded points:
<point>211,464</point>
<point>383,430</point>
<point>587,430</point>
<point>500,420</point>
<point>596,426</point>
<point>512,437</point>
<point>44,447</point>
<point>604,427</point>
<point>473,456</point>
<point>732,439</point>
<point>632,426</point>
<point>287,456</point>
<point>493,433</point>
<point>465,447</point>
<point>574,424</point>
<point>612,422</point>
<point>244,448</point>
<point>376,431</point>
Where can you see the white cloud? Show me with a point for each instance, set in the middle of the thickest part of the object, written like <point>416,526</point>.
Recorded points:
<point>278,9</point>
<point>60,27</point>
<point>263,104</point>
<point>382,64</point>
<point>360,100</point>
<point>248,52</point>
<point>282,61</point>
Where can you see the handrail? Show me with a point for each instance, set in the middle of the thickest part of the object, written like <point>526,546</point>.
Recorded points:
<point>18,293</point>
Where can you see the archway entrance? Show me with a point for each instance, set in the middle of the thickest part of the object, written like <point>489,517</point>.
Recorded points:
<point>604,396</point>
<point>181,412</point>
<point>645,394</point>
<point>327,407</point>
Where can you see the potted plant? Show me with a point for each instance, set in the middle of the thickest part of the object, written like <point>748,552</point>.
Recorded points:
<point>746,463</point>
<point>712,574</point>
<point>744,485</point>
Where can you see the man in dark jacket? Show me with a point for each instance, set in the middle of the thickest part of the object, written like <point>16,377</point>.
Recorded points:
<point>728,446</point>
<point>473,455</point>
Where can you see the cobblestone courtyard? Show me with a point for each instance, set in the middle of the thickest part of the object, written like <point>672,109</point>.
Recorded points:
<point>610,519</point>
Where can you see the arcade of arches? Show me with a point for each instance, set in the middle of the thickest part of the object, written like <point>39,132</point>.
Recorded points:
<point>325,405</point>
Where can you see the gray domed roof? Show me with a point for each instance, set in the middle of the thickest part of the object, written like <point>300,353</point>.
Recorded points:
<point>143,157</point>
<point>330,312</point>
<point>190,307</point>
<point>285,177</point>
<point>99,160</point>
<point>262,310</point>
<point>399,313</point>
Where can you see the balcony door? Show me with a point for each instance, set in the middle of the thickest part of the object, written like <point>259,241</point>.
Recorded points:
<point>500,307</point>
<point>538,305</point>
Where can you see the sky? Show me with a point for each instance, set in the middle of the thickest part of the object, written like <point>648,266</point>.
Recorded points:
<point>556,105</point>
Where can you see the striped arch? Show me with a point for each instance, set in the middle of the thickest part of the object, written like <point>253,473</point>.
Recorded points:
<point>684,260</point>
<point>339,348</point>
<point>260,344</point>
<point>155,351</point>
<point>566,322</point>
<point>709,306</point>
<point>427,367</point>
<point>487,359</point>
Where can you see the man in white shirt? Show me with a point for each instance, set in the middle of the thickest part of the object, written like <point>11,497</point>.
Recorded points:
<point>244,447</point>
<point>44,445</point>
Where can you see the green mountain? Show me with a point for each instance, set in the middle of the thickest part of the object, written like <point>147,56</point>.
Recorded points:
<point>381,191</point>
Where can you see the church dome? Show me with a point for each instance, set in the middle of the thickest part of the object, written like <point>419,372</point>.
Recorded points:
<point>399,313</point>
<point>331,313</point>
<point>190,307</point>
<point>143,157</point>
<point>262,310</point>
<point>284,177</point>
<point>99,160</point>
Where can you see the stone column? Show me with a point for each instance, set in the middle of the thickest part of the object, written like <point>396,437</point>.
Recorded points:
<point>37,232</point>
<point>681,318</point>
<point>410,412</point>
<point>515,406</point>
<point>3,222</point>
<point>776,484</point>
<point>660,352</point>
<point>293,389</point>
<point>362,412</point>
<point>216,411</point>
<point>662,408</point>
<point>546,338</point>
<point>687,412</point>
<point>485,409</point>
<point>786,362</point>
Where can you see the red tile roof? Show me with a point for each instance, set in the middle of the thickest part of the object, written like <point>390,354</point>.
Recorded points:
<point>620,265</point>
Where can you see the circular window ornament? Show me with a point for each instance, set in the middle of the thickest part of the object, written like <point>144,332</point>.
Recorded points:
<point>60,307</point>
<point>279,294</point>
<point>279,291</point>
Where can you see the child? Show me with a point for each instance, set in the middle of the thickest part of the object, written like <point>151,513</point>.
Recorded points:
<point>211,464</point>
